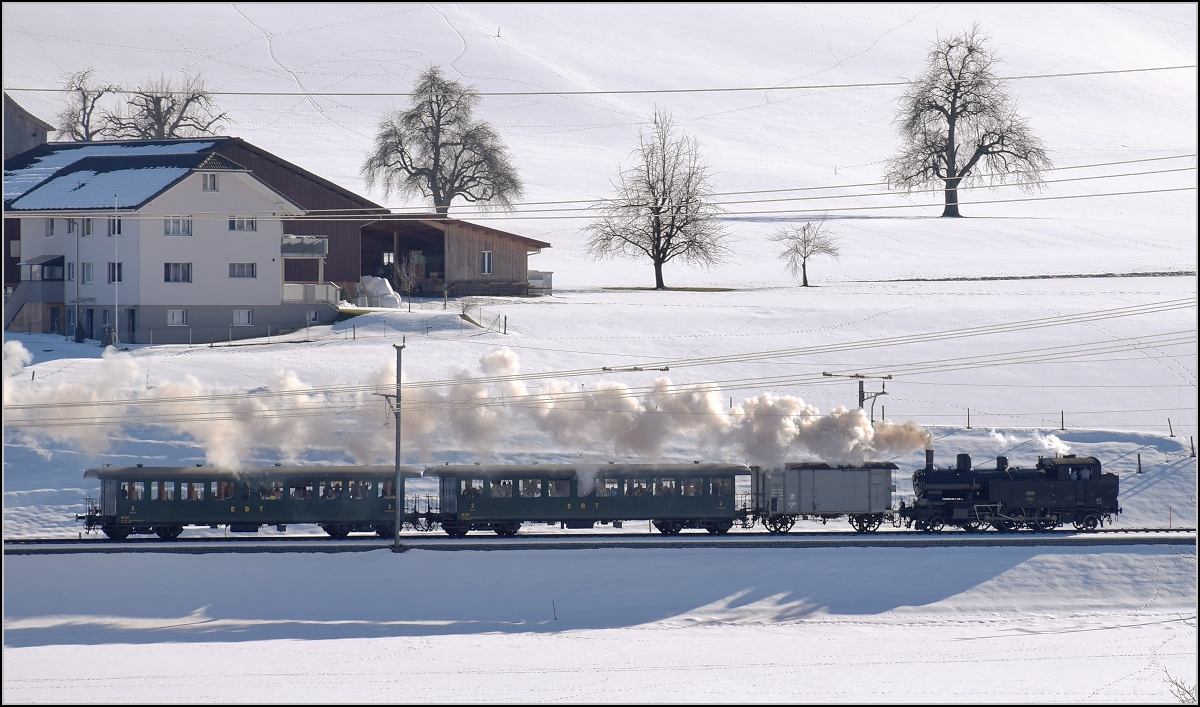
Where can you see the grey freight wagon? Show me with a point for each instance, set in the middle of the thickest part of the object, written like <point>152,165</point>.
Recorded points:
<point>812,490</point>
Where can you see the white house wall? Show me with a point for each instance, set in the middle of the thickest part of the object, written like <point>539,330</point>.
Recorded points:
<point>212,246</point>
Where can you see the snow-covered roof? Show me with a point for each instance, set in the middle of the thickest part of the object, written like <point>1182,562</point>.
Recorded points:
<point>123,181</point>
<point>30,169</point>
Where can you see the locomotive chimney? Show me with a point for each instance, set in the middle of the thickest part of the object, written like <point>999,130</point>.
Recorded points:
<point>1002,463</point>
<point>928,460</point>
<point>964,462</point>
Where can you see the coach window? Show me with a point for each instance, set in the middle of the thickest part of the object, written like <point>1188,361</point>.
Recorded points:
<point>502,488</point>
<point>302,491</point>
<point>359,489</point>
<point>247,490</point>
<point>721,486</point>
<point>691,487</point>
<point>270,490</point>
<point>637,487</point>
<point>470,488</point>
<point>664,486</point>
<point>162,491</point>
<point>608,487</point>
<point>558,488</point>
<point>531,488</point>
<point>388,489</point>
<point>193,490</point>
<point>221,490</point>
<point>134,491</point>
<point>331,490</point>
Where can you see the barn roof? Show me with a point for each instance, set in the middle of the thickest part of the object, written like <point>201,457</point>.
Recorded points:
<point>441,221</point>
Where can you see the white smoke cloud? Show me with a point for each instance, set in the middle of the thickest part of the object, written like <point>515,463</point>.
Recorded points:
<point>1052,443</point>
<point>16,358</point>
<point>289,418</point>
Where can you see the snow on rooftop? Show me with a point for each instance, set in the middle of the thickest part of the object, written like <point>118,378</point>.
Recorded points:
<point>20,181</point>
<point>123,189</point>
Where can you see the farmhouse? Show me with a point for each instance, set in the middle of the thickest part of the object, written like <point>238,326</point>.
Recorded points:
<point>152,243</point>
<point>330,237</point>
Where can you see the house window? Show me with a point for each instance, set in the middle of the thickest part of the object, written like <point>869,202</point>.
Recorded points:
<point>177,272</point>
<point>237,223</point>
<point>313,317</point>
<point>14,248</point>
<point>115,272</point>
<point>485,262</point>
<point>70,320</point>
<point>49,228</point>
<point>71,225</point>
<point>105,318</point>
<point>176,317</point>
<point>86,225</point>
<point>114,226</point>
<point>177,227</point>
<point>210,182</point>
<point>85,273</point>
<point>243,317</point>
<point>388,257</point>
<point>70,271</point>
<point>243,270</point>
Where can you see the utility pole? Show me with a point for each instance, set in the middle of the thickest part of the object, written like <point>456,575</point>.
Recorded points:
<point>863,394</point>
<point>399,483</point>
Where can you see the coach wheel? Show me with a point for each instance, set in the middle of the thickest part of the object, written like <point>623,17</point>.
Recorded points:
<point>115,533</point>
<point>720,527</point>
<point>455,530</point>
<point>385,531</point>
<point>168,532</point>
<point>336,531</point>
<point>507,530</point>
<point>668,527</point>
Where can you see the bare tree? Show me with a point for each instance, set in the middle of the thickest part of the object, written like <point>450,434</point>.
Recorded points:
<point>159,109</point>
<point>408,273</point>
<point>663,208</point>
<point>79,121</point>
<point>958,116</point>
<point>436,149</point>
<point>803,242</point>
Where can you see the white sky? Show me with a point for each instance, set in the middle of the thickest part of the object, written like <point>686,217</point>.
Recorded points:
<point>837,625</point>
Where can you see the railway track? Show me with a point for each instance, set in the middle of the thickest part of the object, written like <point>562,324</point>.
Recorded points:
<point>585,541</point>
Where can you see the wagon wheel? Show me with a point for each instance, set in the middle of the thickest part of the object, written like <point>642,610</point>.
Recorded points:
<point>746,522</point>
<point>788,522</point>
<point>168,532</point>
<point>337,531</point>
<point>859,523</point>
<point>115,532</point>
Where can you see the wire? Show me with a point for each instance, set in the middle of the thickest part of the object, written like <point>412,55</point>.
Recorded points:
<point>621,92</point>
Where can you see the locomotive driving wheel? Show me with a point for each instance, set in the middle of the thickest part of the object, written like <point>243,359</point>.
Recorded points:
<point>971,526</point>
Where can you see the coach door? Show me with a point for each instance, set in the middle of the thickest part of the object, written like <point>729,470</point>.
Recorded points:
<point>449,502</point>
<point>108,497</point>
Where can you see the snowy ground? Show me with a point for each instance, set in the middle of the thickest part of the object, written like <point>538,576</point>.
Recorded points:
<point>1086,344</point>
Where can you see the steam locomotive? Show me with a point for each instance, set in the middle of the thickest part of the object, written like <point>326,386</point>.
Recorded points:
<point>673,497</point>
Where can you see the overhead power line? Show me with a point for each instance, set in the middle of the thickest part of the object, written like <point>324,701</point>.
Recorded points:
<point>636,91</point>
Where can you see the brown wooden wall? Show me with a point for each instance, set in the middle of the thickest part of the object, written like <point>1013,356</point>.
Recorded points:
<point>510,259</point>
<point>343,266</point>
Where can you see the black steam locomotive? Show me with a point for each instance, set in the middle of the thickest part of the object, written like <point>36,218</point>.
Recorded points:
<point>1057,491</point>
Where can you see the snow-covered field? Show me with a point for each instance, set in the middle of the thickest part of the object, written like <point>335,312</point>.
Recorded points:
<point>1086,343</point>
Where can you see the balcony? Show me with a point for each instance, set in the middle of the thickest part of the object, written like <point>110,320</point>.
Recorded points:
<point>326,292</point>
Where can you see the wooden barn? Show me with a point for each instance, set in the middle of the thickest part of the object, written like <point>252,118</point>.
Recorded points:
<point>458,258</point>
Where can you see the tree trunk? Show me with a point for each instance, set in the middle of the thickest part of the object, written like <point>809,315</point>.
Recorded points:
<point>952,197</point>
<point>658,281</point>
<point>804,273</point>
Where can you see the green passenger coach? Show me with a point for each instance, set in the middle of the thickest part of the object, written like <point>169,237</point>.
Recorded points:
<point>500,498</point>
<point>165,500</point>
